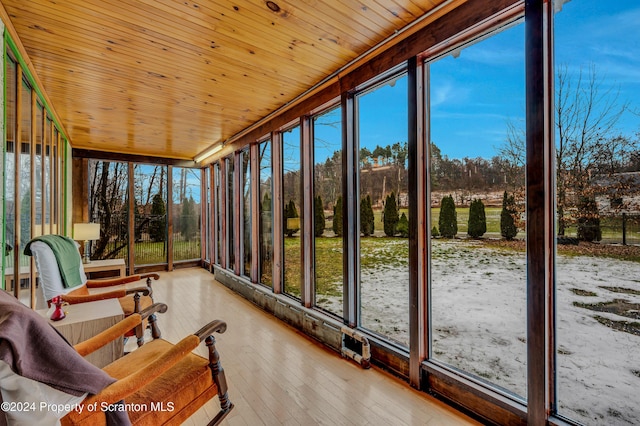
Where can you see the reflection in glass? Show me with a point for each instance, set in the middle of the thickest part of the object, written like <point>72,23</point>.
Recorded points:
<point>266,215</point>
<point>597,185</point>
<point>38,169</point>
<point>217,227</point>
<point>231,211</point>
<point>291,210</point>
<point>384,247</point>
<point>246,212</point>
<point>478,261</point>
<point>47,175</point>
<point>186,213</point>
<point>10,170</point>
<point>327,174</point>
<point>25,190</point>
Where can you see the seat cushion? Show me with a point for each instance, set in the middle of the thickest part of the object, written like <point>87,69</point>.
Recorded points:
<point>175,395</point>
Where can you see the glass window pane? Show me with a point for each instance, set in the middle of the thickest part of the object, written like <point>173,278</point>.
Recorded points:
<point>266,214</point>
<point>108,206</point>
<point>47,176</point>
<point>25,190</point>
<point>10,168</point>
<point>327,174</point>
<point>246,213</point>
<point>38,169</point>
<point>150,212</point>
<point>292,210</point>
<point>231,253</point>
<point>597,257</point>
<point>384,246</point>
<point>186,214</point>
<point>478,260</point>
<point>217,205</point>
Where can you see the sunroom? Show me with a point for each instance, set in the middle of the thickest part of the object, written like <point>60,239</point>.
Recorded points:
<point>414,185</point>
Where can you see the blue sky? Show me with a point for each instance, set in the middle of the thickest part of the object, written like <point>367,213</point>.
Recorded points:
<point>479,89</point>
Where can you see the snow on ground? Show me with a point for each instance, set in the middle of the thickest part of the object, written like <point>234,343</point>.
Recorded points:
<point>478,320</point>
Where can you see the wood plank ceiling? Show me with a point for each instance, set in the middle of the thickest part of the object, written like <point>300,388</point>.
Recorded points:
<point>170,78</point>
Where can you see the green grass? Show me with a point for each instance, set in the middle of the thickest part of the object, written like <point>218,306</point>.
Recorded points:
<point>375,252</point>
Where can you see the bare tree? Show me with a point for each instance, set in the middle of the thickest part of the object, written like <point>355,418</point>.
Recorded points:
<point>586,113</point>
<point>586,116</point>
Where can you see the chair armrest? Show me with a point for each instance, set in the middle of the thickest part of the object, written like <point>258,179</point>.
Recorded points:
<point>108,282</point>
<point>145,291</point>
<point>215,326</point>
<point>149,276</point>
<point>93,297</point>
<point>94,343</point>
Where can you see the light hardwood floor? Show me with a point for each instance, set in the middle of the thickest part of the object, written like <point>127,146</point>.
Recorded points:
<point>277,376</point>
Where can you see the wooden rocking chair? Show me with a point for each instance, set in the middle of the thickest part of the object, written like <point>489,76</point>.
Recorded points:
<point>52,284</point>
<point>160,383</point>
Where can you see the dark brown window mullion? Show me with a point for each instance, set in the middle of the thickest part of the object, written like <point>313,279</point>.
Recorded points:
<point>307,293</point>
<point>540,207</point>
<point>418,222</point>
<point>170,218</point>
<point>131,218</point>
<point>350,205</point>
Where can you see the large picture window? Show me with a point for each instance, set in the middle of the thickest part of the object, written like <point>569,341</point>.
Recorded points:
<point>327,207</point>
<point>108,183</point>
<point>245,160</point>
<point>382,123</point>
<point>597,192</point>
<point>478,261</point>
<point>31,188</point>
<point>292,209</point>
<point>186,211</point>
<point>266,214</point>
<point>150,210</point>
<point>217,214</point>
<point>230,213</point>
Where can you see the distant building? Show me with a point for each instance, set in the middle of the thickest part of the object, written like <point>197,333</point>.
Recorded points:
<point>618,193</point>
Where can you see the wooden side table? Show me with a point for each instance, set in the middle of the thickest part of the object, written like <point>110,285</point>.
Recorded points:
<point>116,265</point>
<point>85,320</point>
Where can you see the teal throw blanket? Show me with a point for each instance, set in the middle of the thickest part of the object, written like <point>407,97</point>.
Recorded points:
<point>67,256</point>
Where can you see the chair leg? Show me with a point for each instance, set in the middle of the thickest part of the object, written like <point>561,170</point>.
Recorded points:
<point>139,330</point>
<point>217,372</point>
<point>155,331</point>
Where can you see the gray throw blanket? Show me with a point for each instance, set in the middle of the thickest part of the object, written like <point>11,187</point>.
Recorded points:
<point>35,350</point>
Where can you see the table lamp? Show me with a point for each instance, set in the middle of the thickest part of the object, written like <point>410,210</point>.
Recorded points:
<point>86,232</point>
